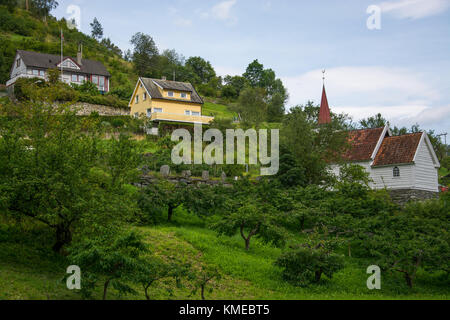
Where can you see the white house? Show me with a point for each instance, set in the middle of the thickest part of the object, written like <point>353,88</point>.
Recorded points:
<point>28,64</point>
<point>406,165</point>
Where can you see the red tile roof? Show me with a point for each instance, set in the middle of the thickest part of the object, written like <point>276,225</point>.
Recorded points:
<point>398,150</point>
<point>324,113</point>
<point>362,144</point>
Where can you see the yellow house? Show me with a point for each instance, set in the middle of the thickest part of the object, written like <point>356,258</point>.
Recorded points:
<point>164,100</point>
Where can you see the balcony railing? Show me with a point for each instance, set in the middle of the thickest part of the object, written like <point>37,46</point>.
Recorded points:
<point>164,116</point>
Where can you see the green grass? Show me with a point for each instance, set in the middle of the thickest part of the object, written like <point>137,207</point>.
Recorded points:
<point>217,110</point>
<point>29,270</point>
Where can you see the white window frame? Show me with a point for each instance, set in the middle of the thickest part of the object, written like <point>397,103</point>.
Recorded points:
<point>195,113</point>
<point>149,112</point>
<point>170,94</point>
<point>187,112</point>
<point>35,72</point>
<point>42,73</point>
<point>157,110</point>
<point>74,76</point>
<point>183,95</point>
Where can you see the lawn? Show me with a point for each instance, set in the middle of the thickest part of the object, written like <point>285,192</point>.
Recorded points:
<point>29,270</point>
<point>217,110</point>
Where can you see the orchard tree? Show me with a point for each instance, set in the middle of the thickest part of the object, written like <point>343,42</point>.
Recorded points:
<point>203,278</point>
<point>56,171</point>
<point>113,259</point>
<point>303,264</point>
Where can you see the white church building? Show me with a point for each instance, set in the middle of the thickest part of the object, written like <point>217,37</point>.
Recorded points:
<point>406,165</point>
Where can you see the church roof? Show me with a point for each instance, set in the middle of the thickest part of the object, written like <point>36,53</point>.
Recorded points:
<point>398,149</point>
<point>362,144</point>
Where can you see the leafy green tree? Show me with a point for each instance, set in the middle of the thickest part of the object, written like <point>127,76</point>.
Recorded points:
<point>376,121</point>
<point>42,8</point>
<point>96,30</point>
<point>306,263</point>
<point>254,74</point>
<point>56,172</point>
<point>113,259</point>
<point>145,54</point>
<point>205,276</point>
<point>10,4</point>
<point>252,106</point>
<point>253,214</point>
<point>157,269</point>
<point>161,196</point>
<point>202,70</point>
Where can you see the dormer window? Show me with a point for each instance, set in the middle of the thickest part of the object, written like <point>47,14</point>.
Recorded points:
<point>396,172</point>
<point>183,95</point>
<point>68,63</point>
<point>170,94</point>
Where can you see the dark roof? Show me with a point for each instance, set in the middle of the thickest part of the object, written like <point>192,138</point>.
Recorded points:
<point>362,144</point>
<point>48,61</point>
<point>398,150</point>
<point>170,85</point>
<point>324,113</point>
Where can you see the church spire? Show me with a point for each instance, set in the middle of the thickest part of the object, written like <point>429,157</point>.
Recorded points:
<point>324,113</point>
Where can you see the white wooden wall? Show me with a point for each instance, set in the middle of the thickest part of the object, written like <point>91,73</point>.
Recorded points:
<point>425,171</point>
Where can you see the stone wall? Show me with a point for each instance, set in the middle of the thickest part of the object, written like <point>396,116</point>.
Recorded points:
<point>85,109</point>
<point>150,179</point>
<point>403,196</point>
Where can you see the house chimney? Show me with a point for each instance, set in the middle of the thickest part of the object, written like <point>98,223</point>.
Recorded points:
<point>80,54</point>
<point>164,78</point>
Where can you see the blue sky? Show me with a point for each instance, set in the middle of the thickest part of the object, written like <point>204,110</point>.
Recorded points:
<point>401,70</point>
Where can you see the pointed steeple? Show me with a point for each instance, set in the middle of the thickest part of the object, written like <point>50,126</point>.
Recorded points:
<point>324,113</point>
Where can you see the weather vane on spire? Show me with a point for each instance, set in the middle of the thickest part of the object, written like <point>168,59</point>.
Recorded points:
<point>323,71</point>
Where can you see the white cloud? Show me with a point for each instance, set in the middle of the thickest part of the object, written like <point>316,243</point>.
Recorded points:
<point>414,9</point>
<point>221,11</point>
<point>181,22</point>
<point>404,97</point>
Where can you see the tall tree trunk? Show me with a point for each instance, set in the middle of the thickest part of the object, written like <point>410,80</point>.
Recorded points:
<point>27,6</point>
<point>247,244</point>
<point>170,214</point>
<point>63,237</point>
<point>409,280</point>
<point>105,289</point>
<point>318,275</point>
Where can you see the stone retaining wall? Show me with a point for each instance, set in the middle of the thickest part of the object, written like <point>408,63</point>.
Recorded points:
<point>85,109</point>
<point>404,196</point>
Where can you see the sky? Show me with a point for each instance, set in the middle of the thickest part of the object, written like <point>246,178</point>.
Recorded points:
<point>390,56</point>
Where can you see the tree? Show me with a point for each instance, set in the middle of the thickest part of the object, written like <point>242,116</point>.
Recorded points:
<point>252,106</point>
<point>145,54</point>
<point>376,121</point>
<point>202,70</point>
<point>42,8</point>
<point>10,4</point>
<point>254,74</point>
<point>205,276</point>
<point>156,269</point>
<point>306,263</point>
<point>159,196</point>
<point>115,259</point>
<point>96,30</point>
<point>253,213</point>
<point>55,172</point>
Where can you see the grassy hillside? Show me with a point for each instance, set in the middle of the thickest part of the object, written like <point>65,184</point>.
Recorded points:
<point>37,273</point>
